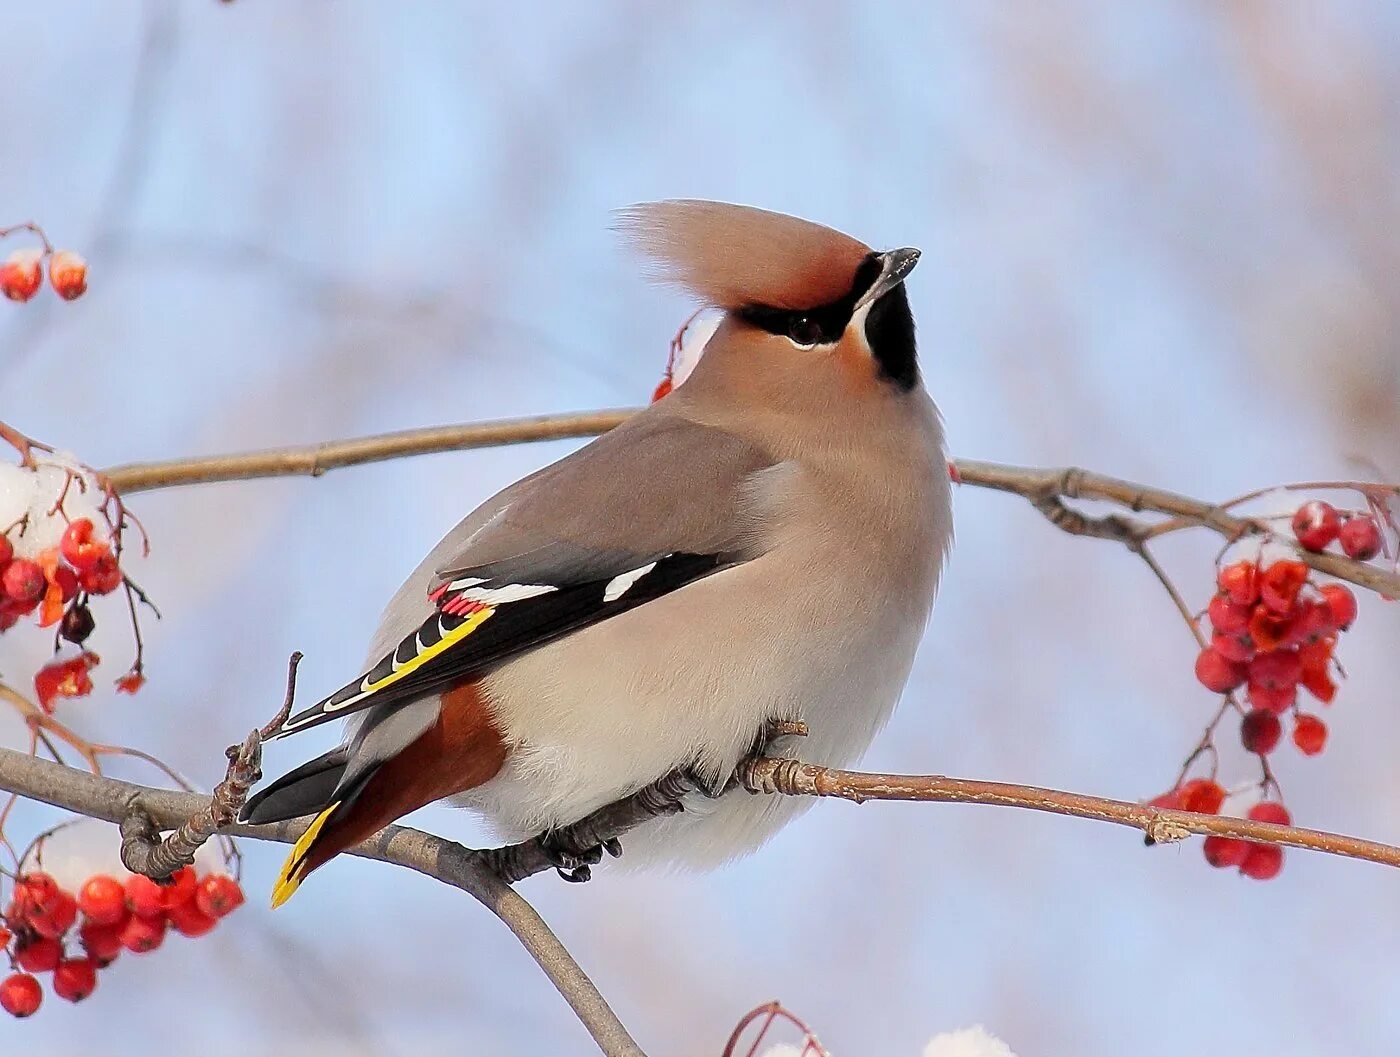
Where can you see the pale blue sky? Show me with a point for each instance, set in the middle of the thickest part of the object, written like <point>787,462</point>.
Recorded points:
<point>1152,244</point>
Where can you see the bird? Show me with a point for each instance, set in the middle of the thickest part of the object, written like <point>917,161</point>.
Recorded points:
<point>763,544</point>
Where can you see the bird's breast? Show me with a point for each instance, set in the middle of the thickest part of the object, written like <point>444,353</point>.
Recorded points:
<point>821,626</point>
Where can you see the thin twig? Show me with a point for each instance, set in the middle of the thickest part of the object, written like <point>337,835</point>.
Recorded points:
<point>794,778</point>
<point>144,852</point>
<point>313,460</point>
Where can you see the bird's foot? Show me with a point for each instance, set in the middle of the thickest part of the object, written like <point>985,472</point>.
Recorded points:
<point>573,862</point>
<point>748,773</point>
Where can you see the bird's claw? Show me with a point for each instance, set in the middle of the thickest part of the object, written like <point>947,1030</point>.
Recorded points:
<point>575,864</point>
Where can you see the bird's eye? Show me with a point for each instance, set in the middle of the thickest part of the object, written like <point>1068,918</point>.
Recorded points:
<point>804,332</point>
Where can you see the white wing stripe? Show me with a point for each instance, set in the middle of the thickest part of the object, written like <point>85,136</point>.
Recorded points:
<point>496,596</point>
<point>620,585</point>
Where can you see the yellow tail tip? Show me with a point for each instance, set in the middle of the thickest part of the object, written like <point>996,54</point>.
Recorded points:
<point>294,869</point>
<point>286,887</point>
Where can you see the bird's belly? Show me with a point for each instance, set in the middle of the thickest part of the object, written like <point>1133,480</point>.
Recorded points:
<point>691,679</point>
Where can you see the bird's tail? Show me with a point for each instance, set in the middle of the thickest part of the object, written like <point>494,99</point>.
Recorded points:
<point>354,798</point>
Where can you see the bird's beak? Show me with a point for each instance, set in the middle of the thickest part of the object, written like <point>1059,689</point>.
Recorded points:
<point>894,266</point>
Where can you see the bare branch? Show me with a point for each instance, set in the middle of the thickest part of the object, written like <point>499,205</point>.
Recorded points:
<point>1035,484</point>
<point>108,798</point>
<point>313,460</point>
<point>1046,489</point>
<point>474,872</point>
<point>1160,825</point>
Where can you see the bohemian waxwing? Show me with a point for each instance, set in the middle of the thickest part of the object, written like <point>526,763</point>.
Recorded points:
<point>762,544</point>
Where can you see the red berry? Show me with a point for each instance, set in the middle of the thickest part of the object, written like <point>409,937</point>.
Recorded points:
<point>1171,800</point>
<point>20,275</point>
<point>1341,602</point>
<point>7,550</point>
<point>1238,648</point>
<point>181,888</point>
<point>1224,851</point>
<point>1280,583</point>
<point>75,979</point>
<point>218,895</point>
<point>1277,670</point>
<point>1228,617</point>
<point>1263,862</point>
<point>1276,701</point>
<point>102,900</point>
<point>23,581</point>
<point>20,994</point>
<point>78,547</point>
<point>68,275</point>
<point>1316,524</point>
<point>68,678</point>
<point>37,890</point>
<point>1271,811</point>
<point>103,578</point>
<point>55,918</point>
<point>189,920</point>
<point>140,935</point>
<point>1202,795</point>
<point>131,682</point>
<point>144,897</point>
<point>39,955</point>
<point>1309,734</point>
<point>1260,731</point>
<point>1240,582</point>
<point>1318,682</point>
<point>1218,673</point>
<point>1311,621</point>
<point>1361,538</point>
<point>102,942</point>
<point>66,580</point>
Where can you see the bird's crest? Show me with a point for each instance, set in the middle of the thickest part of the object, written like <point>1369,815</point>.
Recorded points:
<point>732,256</point>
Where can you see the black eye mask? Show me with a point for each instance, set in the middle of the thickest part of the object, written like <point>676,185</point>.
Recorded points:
<point>889,327</point>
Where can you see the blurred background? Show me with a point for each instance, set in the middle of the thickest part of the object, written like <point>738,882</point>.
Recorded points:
<point>1158,240</point>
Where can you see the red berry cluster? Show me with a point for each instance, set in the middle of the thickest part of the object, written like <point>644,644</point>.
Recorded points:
<point>22,273</point>
<point>1252,859</point>
<point>56,585</point>
<point>1207,796</point>
<point>105,917</point>
<point>1274,630</point>
<point>1318,525</point>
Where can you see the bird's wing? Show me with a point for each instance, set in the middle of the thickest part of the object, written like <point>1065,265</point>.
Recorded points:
<point>650,507</point>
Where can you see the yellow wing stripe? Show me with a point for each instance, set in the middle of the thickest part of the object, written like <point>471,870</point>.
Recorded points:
<point>289,879</point>
<point>443,644</point>
<point>421,658</point>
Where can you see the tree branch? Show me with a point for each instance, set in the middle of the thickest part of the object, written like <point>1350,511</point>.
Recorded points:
<point>110,800</point>
<point>1045,489</point>
<point>474,872</point>
<point>313,460</point>
<point>1159,825</point>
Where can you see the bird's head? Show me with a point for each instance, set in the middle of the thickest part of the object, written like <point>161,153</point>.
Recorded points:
<point>801,300</point>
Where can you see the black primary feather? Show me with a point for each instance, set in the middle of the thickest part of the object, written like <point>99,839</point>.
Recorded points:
<point>303,791</point>
<point>513,628</point>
